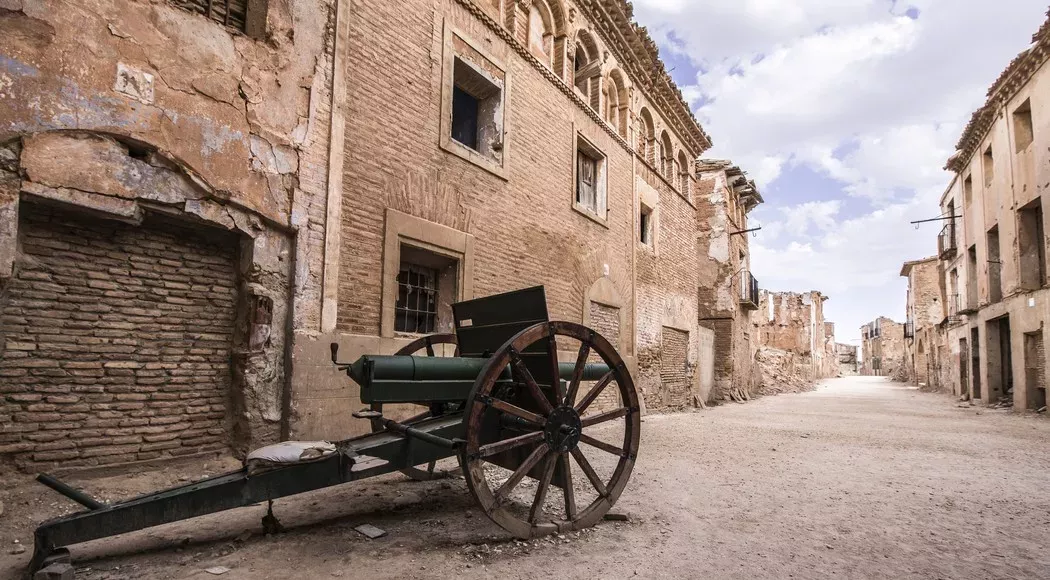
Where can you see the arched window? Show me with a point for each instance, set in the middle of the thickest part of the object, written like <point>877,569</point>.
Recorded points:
<point>647,137</point>
<point>587,68</point>
<point>616,102</point>
<point>683,173</point>
<point>541,33</point>
<point>666,157</point>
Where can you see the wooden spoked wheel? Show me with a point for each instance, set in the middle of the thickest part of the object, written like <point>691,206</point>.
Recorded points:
<point>553,424</point>
<point>425,345</point>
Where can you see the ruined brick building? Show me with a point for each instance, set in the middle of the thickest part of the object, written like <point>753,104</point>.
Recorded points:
<point>728,291</point>
<point>847,359</point>
<point>197,198</point>
<point>882,348</point>
<point>993,247</point>
<point>794,323</point>
<point>924,328</point>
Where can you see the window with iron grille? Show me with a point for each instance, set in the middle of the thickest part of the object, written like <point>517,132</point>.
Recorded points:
<point>416,308</point>
<point>232,14</point>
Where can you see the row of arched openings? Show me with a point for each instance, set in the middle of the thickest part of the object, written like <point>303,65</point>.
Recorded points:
<point>606,95</point>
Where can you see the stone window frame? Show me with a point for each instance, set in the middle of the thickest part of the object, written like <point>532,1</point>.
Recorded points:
<point>446,142</point>
<point>602,180</point>
<point>404,229</point>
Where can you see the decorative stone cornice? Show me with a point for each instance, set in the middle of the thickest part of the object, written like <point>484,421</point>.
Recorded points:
<point>640,58</point>
<point>1015,76</point>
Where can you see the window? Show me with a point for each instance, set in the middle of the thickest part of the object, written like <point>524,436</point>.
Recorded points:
<point>232,14</point>
<point>473,101</point>
<point>587,69</point>
<point>1032,245</point>
<point>416,309</point>
<point>426,288</point>
<point>683,174</point>
<point>586,181</point>
<point>645,222</point>
<point>1024,133</point>
<point>465,117</point>
<point>647,137</point>
<point>995,286</point>
<point>541,41</point>
<point>989,167</point>
<point>590,179</point>
<point>968,190</point>
<point>477,111</point>
<point>666,157</point>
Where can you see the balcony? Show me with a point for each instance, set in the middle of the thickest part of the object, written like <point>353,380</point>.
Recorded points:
<point>748,291</point>
<point>946,245</point>
<point>909,329</point>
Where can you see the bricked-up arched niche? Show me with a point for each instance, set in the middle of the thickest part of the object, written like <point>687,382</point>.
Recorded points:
<point>666,156</point>
<point>647,137</point>
<point>616,100</point>
<point>684,179</point>
<point>144,314</point>
<point>541,32</point>
<point>587,65</point>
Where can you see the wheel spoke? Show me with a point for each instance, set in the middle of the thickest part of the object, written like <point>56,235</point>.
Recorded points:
<point>595,391</point>
<point>603,417</point>
<point>569,492</point>
<point>526,377</point>
<point>516,477</point>
<point>430,347</point>
<point>601,445</point>
<point>541,491</point>
<point>589,471</point>
<point>512,443</point>
<point>577,374</point>
<point>516,411</point>
<point>552,348</point>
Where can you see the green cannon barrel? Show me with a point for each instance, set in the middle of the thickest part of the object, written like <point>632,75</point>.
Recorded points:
<point>416,379</point>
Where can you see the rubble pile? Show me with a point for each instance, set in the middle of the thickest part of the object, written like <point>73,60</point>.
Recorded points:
<point>781,371</point>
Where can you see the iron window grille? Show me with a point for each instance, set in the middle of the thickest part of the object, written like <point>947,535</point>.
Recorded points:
<point>232,14</point>
<point>416,308</point>
<point>748,289</point>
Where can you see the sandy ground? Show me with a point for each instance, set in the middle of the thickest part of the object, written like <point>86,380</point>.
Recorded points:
<point>862,478</point>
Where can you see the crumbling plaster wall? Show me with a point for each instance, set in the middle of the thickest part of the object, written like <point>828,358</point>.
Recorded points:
<point>719,277</point>
<point>119,107</point>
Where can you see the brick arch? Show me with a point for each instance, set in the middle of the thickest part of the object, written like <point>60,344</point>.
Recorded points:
<point>666,155</point>
<point>616,112</point>
<point>89,190</point>
<point>683,172</point>
<point>647,136</point>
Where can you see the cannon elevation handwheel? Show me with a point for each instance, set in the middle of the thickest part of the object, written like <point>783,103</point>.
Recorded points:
<point>558,428</point>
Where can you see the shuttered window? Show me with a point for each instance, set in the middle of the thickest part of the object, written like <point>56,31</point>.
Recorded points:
<point>232,14</point>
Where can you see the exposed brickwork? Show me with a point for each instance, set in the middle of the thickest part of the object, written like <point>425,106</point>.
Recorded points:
<point>117,341</point>
<point>606,322</point>
<point>674,367</point>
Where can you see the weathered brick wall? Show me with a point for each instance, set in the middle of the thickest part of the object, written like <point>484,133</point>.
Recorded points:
<point>116,341</point>
<point>674,368</point>
<point>525,229</point>
<point>606,321</point>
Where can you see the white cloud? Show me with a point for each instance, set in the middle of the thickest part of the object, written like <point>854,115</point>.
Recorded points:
<point>856,90</point>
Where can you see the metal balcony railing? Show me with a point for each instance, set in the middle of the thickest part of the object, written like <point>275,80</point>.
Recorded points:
<point>946,244</point>
<point>955,308</point>
<point>909,329</point>
<point>748,290</point>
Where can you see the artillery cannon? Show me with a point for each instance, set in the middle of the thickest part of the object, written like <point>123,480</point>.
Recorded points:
<point>504,405</point>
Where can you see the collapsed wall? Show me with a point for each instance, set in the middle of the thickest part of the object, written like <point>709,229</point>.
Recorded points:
<point>796,346</point>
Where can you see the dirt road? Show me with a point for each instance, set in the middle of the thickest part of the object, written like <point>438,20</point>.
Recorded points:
<point>859,479</point>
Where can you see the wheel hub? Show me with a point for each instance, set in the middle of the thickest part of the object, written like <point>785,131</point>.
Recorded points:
<point>563,429</point>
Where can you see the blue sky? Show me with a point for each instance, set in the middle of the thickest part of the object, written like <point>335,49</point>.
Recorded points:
<point>845,112</point>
